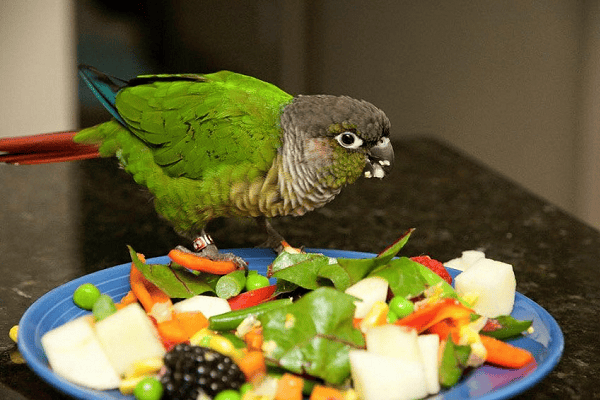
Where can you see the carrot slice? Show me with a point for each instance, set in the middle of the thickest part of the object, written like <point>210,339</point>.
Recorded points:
<point>321,392</point>
<point>253,365</point>
<point>505,354</point>
<point>156,302</point>
<point>128,299</point>
<point>192,261</point>
<point>191,322</point>
<point>289,387</point>
<point>254,339</point>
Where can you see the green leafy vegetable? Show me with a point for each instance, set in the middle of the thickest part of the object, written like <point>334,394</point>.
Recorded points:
<point>313,335</point>
<point>176,282</point>
<point>506,327</point>
<point>311,271</point>
<point>408,278</point>
<point>454,361</point>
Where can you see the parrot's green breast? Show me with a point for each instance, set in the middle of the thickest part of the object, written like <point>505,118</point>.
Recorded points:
<point>204,145</point>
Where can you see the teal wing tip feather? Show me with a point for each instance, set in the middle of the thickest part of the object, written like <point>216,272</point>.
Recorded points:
<point>104,87</point>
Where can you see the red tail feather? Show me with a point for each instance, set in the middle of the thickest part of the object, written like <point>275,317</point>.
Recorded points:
<point>44,148</point>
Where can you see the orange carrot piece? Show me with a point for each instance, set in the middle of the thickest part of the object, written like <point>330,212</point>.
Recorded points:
<point>128,299</point>
<point>321,392</point>
<point>191,322</point>
<point>505,354</point>
<point>199,263</point>
<point>156,302</point>
<point>254,339</point>
<point>289,387</point>
<point>253,365</point>
<point>171,332</point>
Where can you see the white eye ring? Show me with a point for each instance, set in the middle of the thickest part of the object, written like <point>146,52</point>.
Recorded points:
<point>349,140</point>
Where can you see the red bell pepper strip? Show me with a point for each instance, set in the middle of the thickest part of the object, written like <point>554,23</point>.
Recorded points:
<point>431,314</point>
<point>252,297</point>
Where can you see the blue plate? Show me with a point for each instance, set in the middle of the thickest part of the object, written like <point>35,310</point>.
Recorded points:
<point>485,383</point>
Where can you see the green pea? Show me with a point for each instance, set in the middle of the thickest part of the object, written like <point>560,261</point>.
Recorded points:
<point>86,295</point>
<point>228,394</point>
<point>391,317</point>
<point>148,389</point>
<point>256,281</point>
<point>245,388</point>
<point>103,307</point>
<point>401,306</point>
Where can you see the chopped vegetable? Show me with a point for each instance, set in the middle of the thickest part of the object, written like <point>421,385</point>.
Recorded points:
<point>148,389</point>
<point>321,392</point>
<point>256,281</point>
<point>86,295</point>
<point>230,320</point>
<point>103,307</point>
<point>401,306</point>
<point>231,284</point>
<point>506,355</point>
<point>289,387</point>
<point>430,314</point>
<point>198,263</point>
<point>156,302</point>
<point>253,365</point>
<point>252,298</point>
<point>13,333</point>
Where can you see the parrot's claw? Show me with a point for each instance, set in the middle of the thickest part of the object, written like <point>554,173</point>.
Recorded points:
<point>204,246</point>
<point>212,253</point>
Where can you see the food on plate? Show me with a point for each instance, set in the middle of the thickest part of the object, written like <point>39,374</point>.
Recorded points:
<point>386,327</point>
<point>489,285</point>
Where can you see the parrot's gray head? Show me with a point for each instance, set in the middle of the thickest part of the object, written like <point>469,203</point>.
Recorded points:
<point>329,141</point>
<point>352,126</point>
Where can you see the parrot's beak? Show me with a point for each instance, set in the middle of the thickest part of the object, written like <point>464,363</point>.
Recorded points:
<point>380,159</point>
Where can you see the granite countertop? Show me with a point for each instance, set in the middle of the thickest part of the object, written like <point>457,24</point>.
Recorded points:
<point>59,222</point>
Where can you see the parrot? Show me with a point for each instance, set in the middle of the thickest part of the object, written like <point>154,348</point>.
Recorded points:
<point>222,144</point>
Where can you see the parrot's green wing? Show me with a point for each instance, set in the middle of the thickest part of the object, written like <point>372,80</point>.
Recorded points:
<point>204,145</point>
<point>196,123</point>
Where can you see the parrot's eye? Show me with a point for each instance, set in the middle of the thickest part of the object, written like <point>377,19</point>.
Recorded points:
<point>349,140</point>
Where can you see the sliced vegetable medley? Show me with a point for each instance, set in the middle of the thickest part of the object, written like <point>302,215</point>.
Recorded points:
<point>386,327</point>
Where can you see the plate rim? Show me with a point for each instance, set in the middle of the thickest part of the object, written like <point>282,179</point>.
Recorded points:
<point>28,350</point>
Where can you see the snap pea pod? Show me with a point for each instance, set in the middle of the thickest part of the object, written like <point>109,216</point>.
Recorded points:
<point>230,320</point>
<point>231,284</point>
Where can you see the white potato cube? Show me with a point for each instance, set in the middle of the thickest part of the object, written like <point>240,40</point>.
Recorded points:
<point>429,346</point>
<point>379,377</point>
<point>468,258</point>
<point>369,291</point>
<point>492,284</point>
<point>394,341</point>
<point>128,336</point>
<point>74,353</point>
<point>207,305</point>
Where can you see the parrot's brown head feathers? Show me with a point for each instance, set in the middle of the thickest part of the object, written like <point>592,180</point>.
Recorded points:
<point>328,142</point>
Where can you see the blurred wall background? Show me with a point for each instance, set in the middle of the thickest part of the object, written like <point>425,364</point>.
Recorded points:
<point>512,83</point>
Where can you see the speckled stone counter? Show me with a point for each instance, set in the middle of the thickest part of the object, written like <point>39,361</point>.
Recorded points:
<point>59,222</point>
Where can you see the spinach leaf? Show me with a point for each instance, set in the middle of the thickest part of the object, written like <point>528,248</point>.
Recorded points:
<point>313,335</point>
<point>175,281</point>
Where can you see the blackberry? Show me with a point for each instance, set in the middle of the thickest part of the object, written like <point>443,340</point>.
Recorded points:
<point>191,371</point>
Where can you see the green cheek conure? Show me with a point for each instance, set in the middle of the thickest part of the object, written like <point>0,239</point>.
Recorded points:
<point>223,145</point>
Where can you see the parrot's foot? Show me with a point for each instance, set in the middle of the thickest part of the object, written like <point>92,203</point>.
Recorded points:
<point>204,246</point>
<point>274,239</point>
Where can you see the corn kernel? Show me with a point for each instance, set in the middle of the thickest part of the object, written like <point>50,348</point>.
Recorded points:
<point>197,337</point>
<point>376,316</point>
<point>14,333</point>
<point>127,385</point>
<point>144,367</point>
